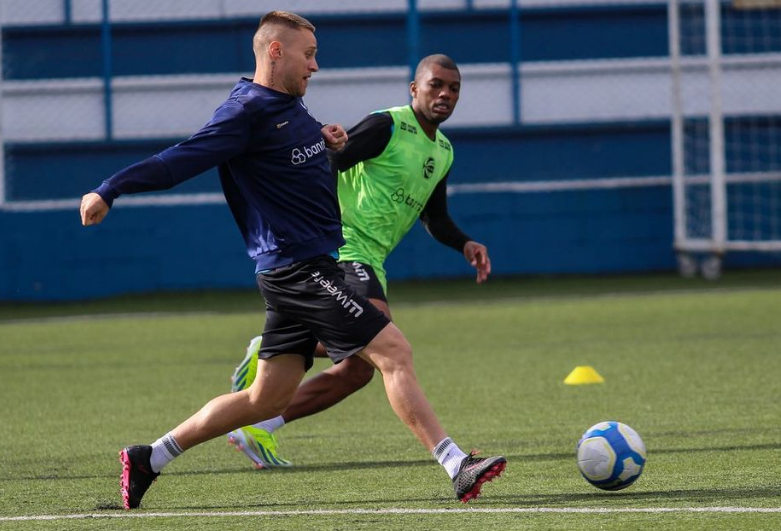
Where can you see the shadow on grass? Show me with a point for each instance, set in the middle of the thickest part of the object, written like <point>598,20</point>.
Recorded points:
<point>630,498</point>
<point>553,456</point>
<point>676,497</point>
<point>369,465</point>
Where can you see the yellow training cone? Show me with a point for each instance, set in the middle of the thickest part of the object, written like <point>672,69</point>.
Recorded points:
<point>583,374</point>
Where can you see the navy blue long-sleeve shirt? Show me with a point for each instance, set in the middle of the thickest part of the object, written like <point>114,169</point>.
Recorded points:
<point>273,169</point>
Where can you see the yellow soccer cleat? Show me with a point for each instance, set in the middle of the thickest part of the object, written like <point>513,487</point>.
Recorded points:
<point>259,445</point>
<point>245,373</point>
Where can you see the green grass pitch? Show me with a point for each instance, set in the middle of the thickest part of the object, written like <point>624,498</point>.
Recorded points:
<point>693,366</point>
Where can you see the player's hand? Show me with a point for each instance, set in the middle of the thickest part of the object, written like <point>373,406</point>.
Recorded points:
<point>335,136</point>
<point>93,209</point>
<point>477,255</point>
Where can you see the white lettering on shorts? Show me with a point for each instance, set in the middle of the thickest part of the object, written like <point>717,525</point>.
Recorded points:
<point>342,298</point>
<point>363,276</point>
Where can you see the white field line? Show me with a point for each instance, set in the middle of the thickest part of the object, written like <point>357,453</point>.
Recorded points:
<point>395,511</point>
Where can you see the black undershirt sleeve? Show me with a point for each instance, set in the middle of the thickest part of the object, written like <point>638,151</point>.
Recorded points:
<point>365,140</point>
<point>438,222</point>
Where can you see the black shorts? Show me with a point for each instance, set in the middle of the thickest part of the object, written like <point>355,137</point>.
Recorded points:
<point>310,301</point>
<point>362,278</point>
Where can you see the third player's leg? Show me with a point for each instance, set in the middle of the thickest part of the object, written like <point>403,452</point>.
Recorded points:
<point>329,387</point>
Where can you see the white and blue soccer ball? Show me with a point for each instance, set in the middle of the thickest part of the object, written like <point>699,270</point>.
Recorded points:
<point>611,455</point>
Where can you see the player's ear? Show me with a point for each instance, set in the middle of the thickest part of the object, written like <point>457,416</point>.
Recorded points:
<point>413,89</point>
<point>275,50</point>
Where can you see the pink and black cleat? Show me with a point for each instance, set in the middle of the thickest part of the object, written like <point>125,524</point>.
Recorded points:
<point>137,475</point>
<point>473,472</point>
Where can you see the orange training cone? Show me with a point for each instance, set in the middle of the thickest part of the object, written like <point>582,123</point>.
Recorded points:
<point>583,374</point>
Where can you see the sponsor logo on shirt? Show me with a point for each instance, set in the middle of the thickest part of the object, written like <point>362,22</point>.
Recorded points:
<point>401,197</point>
<point>353,308</point>
<point>301,155</point>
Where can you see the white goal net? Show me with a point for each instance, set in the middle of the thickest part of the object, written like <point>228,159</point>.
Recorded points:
<point>726,129</point>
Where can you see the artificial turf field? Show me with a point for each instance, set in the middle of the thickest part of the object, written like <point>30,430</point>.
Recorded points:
<point>693,366</point>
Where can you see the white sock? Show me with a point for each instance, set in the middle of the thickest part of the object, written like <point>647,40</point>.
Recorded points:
<point>449,456</point>
<point>164,450</point>
<point>271,424</point>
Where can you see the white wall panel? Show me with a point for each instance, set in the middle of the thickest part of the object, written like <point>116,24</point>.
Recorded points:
<point>15,12</point>
<point>494,4</point>
<point>236,8</point>
<point>595,91</point>
<point>137,10</point>
<point>551,93</point>
<point>346,96</point>
<point>86,11</point>
<point>170,106</point>
<point>52,110</point>
<point>486,96</point>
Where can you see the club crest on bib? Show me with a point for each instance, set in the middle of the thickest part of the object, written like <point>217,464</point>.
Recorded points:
<point>428,168</point>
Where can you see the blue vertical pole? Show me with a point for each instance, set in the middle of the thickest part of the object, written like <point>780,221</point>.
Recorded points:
<point>105,39</point>
<point>67,11</point>
<point>470,4</point>
<point>413,36</point>
<point>515,59</point>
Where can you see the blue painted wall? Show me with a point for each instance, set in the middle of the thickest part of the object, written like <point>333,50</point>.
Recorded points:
<point>49,256</point>
<point>67,170</point>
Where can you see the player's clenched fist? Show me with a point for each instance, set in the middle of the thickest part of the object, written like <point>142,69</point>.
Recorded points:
<point>335,136</point>
<point>93,209</point>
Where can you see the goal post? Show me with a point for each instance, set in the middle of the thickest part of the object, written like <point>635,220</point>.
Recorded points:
<point>2,132</point>
<point>725,129</point>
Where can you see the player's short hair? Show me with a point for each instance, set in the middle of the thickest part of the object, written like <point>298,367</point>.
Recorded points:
<point>286,18</point>
<point>436,59</point>
<point>273,20</point>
